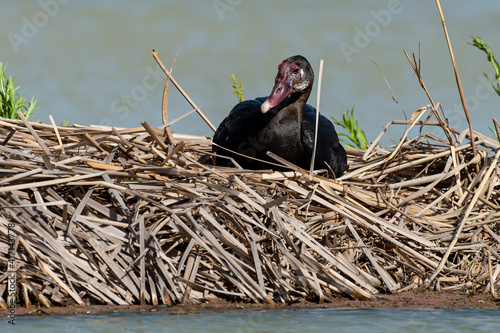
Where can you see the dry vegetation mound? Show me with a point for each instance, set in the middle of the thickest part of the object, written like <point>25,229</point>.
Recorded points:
<point>128,216</point>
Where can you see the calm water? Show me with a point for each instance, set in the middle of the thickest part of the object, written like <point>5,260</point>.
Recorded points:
<point>302,320</point>
<point>90,61</point>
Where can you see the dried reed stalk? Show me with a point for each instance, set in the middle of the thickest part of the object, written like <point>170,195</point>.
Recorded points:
<point>457,76</point>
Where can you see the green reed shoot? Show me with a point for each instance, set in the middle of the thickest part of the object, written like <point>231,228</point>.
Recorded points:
<point>11,100</point>
<point>237,88</point>
<point>356,134</point>
<point>479,43</point>
<point>486,48</point>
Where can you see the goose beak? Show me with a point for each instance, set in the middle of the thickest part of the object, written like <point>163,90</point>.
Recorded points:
<point>281,90</point>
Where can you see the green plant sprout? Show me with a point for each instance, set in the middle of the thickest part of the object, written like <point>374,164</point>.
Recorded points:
<point>356,134</point>
<point>11,101</point>
<point>237,89</point>
<point>479,43</point>
<point>470,263</point>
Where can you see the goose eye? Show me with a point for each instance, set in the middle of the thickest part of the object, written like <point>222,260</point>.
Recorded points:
<point>295,71</point>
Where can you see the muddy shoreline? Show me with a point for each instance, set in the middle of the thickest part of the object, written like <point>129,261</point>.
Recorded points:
<point>401,301</point>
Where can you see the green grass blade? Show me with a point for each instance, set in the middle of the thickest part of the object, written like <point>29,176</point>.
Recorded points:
<point>486,48</point>
<point>10,99</point>
<point>356,135</point>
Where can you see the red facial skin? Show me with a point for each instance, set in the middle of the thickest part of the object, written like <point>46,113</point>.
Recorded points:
<point>283,85</point>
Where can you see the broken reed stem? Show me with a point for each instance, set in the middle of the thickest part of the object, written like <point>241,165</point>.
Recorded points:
<point>57,132</point>
<point>389,86</point>
<point>497,128</point>
<point>418,71</point>
<point>45,156</point>
<point>420,112</point>
<point>164,102</point>
<point>490,273</point>
<point>190,101</point>
<point>457,77</point>
<point>320,76</point>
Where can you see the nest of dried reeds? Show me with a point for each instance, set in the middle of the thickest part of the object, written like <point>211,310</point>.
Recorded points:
<point>127,216</point>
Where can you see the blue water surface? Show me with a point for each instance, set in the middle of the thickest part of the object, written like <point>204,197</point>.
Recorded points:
<point>288,320</point>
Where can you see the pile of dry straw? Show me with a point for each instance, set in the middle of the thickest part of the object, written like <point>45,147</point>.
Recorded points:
<point>129,216</point>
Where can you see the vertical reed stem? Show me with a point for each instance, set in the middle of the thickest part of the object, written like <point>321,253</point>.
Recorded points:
<point>320,76</point>
<point>457,77</point>
<point>164,102</point>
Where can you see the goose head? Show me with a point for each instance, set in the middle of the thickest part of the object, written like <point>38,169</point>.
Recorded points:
<point>295,76</point>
